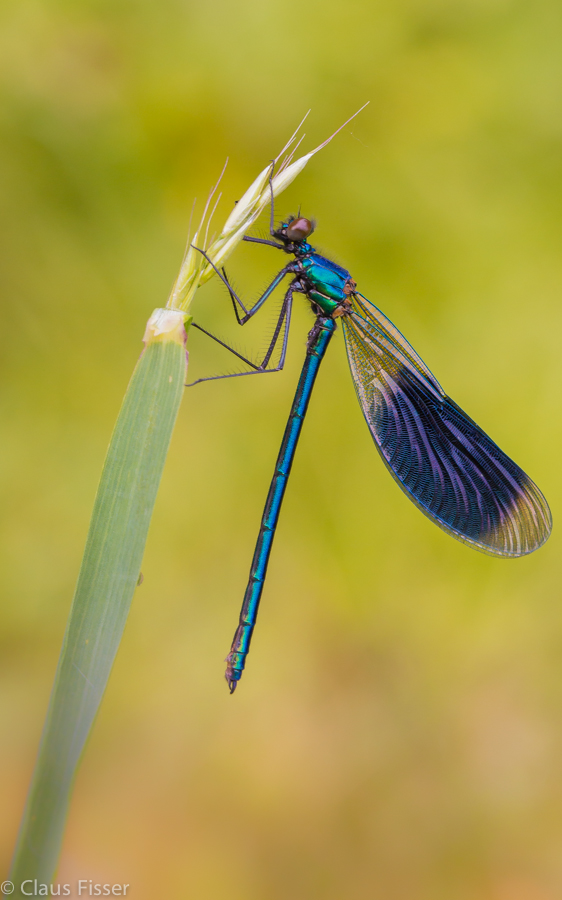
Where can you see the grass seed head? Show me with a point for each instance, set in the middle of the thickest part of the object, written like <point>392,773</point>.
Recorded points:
<point>195,269</point>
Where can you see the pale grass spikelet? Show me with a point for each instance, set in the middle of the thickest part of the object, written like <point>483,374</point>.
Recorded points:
<point>195,269</point>
<point>248,201</point>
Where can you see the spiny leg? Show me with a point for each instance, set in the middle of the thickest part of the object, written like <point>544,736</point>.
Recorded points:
<point>254,240</point>
<point>242,320</point>
<point>286,270</point>
<point>285,315</point>
<point>283,323</point>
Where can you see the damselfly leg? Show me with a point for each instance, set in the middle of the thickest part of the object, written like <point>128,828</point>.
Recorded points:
<point>281,328</point>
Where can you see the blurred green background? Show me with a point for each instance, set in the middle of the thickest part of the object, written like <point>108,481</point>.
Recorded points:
<point>398,733</point>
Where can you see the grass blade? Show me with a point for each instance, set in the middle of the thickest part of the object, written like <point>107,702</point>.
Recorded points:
<point>106,583</point>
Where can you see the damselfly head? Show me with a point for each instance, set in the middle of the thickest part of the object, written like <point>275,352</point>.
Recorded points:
<point>297,229</point>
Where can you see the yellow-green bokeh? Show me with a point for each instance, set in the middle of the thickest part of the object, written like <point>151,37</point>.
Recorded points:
<point>398,732</point>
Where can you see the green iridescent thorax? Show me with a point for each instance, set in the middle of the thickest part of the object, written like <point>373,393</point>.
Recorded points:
<point>328,281</point>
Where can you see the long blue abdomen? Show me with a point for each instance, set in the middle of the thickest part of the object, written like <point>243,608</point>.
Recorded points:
<point>318,341</point>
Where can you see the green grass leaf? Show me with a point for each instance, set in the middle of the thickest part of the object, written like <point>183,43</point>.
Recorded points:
<point>106,583</point>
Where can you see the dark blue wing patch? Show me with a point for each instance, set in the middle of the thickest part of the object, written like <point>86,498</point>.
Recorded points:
<point>443,461</point>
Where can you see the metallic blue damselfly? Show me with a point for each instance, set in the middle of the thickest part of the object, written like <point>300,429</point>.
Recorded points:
<point>453,472</point>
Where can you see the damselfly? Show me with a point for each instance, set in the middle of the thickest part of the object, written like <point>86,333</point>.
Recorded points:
<point>454,473</point>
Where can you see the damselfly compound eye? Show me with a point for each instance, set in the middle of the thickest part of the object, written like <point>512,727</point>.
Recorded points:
<point>299,229</point>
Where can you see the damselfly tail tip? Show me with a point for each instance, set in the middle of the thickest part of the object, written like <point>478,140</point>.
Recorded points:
<point>230,676</point>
